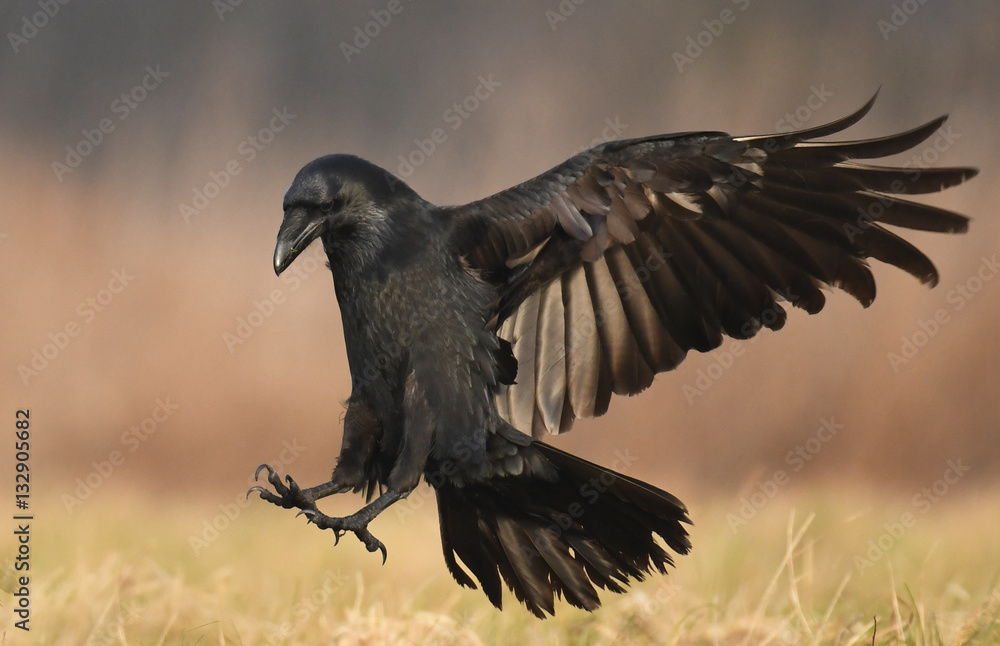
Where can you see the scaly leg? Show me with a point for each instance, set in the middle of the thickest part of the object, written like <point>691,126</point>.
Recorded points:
<point>357,522</point>
<point>291,496</point>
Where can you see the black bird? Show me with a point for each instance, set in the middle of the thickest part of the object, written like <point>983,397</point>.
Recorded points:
<point>472,331</point>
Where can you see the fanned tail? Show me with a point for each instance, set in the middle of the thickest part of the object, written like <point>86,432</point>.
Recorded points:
<point>559,528</point>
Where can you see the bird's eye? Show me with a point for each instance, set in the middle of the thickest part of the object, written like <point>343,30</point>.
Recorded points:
<point>333,205</point>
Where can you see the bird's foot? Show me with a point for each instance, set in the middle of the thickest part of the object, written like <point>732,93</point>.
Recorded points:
<point>357,523</point>
<point>289,495</point>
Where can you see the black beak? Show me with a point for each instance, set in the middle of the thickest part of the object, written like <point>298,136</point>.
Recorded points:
<point>295,234</point>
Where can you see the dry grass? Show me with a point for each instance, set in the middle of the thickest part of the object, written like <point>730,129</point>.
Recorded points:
<point>127,575</point>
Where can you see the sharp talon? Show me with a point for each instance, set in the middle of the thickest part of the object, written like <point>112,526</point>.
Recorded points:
<point>287,494</point>
<point>256,488</point>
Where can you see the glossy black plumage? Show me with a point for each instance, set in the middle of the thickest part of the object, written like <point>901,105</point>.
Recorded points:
<point>474,330</point>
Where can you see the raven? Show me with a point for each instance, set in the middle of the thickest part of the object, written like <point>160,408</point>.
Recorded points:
<point>472,331</point>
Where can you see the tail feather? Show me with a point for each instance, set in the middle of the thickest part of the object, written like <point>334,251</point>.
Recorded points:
<point>555,536</point>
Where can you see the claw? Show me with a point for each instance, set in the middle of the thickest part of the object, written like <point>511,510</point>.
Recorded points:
<point>287,494</point>
<point>256,488</point>
<point>385,554</point>
<point>372,543</point>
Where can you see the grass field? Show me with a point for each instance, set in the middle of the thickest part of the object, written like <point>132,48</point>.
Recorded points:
<point>808,571</point>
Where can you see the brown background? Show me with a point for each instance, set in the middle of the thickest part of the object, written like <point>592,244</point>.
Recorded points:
<point>161,338</point>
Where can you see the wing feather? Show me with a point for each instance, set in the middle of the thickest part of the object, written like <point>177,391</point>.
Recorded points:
<point>611,266</point>
<point>521,395</point>
<point>550,360</point>
<point>652,340</point>
<point>583,347</point>
<point>629,371</point>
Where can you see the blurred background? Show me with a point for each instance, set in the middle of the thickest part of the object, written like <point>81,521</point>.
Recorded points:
<point>147,147</point>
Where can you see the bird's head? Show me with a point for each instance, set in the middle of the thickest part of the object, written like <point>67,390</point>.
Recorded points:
<point>341,199</point>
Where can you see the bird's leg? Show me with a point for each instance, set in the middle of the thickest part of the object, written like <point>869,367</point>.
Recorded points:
<point>402,479</point>
<point>361,433</point>
<point>357,522</point>
<point>289,495</point>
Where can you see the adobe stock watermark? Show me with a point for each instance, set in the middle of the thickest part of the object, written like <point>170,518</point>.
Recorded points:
<point>797,118</point>
<point>463,451</point>
<point>613,129</point>
<point>701,41</point>
<point>228,512</point>
<point>656,603</point>
<point>566,518</point>
<point>899,16</point>
<point>372,29</point>
<point>724,357</point>
<point>796,459</point>
<point>426,316</point>
<point>922,502</point>
<point>453,117</point>
<point>296,273</point>
<point>467,449</point>
<point>562,12</point>
<point>958,297</point>
<point>944,139</point>
<point>584,328</point>
<point>306,607</point>
<point>589,494</point>
<point>130,440</point>
<point>31,26</point>
<point>87,311</point>
<point>108,634</point>
<point>121,107</point>
<point>223,7</point>
<point>247,151</point>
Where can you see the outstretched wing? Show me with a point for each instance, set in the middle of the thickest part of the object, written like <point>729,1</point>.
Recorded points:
<point>618,261</point>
